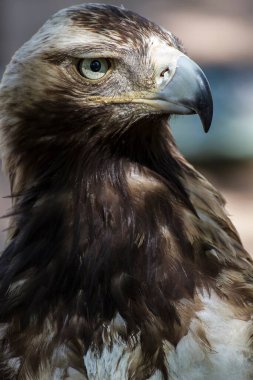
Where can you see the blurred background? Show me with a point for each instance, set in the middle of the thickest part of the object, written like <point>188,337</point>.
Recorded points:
<point>218,35</point>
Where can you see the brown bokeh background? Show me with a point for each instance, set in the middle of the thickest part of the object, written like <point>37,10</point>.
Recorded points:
<point>218,35</point>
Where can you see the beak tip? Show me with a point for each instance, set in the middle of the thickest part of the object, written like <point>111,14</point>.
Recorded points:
<point>206,124</point>
<point>206,117</point>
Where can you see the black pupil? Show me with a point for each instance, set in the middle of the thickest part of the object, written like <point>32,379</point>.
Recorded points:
<point>95,66</point>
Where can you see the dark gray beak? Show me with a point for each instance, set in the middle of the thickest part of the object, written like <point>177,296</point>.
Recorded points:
<point>188,92</point>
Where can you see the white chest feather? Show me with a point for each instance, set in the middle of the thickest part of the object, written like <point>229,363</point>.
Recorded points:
<point>227,356</point>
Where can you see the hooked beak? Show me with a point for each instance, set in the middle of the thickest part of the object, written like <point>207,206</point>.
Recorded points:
<point>188,92</point>
<point>183,91</point>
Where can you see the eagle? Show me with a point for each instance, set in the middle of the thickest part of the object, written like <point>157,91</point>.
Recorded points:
<point>121,262</point>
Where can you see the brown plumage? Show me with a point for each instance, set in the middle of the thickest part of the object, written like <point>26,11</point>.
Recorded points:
<point>121,261</point>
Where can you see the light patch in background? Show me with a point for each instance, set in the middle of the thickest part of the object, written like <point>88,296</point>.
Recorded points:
<point>212,38</point>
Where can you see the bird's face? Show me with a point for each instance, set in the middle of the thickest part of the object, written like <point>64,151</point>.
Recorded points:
<point>99,69</point>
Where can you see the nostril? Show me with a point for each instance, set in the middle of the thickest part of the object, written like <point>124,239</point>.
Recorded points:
<point>167,70</point>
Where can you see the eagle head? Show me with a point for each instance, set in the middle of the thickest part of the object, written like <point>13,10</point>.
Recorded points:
<point>88,77</point>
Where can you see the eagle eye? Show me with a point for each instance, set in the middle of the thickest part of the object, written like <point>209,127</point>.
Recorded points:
<point>93,68</point>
